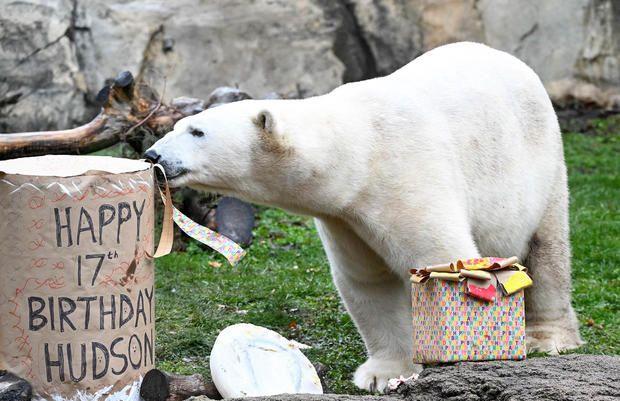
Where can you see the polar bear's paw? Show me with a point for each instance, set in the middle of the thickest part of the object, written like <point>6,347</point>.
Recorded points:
<point>552,339</point>
<point>373,375</point>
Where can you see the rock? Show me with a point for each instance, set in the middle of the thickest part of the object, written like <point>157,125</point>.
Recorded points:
<point>13,388</point>
<point>571,92</point>
<point>562,378</point>
<point>66,49</point>
<point>235,219</point>
<point>225,94</point>
<point>41,85</point>
<point>391,30</point>
<point>188,105</point>
<point>589,94</point>
<point>613,101</point>
<point>567,377</point>
<point>262,45</point>
<point>310,397</point>
<point>547,35</point>
<point>272,96</point>
<point>560,39</point>
<point>55,55</point>
<point>449,21</point>
<point>322,371</point>
<point>198,206</point>
<point>599,61</point>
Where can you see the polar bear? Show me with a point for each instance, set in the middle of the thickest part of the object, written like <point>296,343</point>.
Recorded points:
<point>456,155</point>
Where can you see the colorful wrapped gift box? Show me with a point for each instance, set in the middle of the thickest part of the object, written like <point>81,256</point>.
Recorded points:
<point>471,310</point>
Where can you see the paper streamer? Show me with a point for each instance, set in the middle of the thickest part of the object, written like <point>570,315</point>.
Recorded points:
<point>218,242</point>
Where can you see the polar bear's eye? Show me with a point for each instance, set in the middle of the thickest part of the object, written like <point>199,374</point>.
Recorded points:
<point>196,132</point>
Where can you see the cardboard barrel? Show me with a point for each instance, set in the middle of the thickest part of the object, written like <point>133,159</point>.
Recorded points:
<point>76,279</point>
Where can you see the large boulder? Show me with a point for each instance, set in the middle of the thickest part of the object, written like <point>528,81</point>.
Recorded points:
<point>299,47</point>
<point>599,60</point>
<point>41,85</point>
<point>572,43</point>
<point>547,35</point>
<point>390,30</point>
<point>56,54</point>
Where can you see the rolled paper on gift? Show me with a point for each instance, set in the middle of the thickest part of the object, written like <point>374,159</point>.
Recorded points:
<point>419,278</point>
<point>499,263</point>
<point>479,274</point>
<point>447,276</point>
<point>486,263</point>
<point>474,264</point>
<point>445,268</point>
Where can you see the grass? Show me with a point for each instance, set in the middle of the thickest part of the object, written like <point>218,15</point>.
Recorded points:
<point>594,181</point>
<point>284,283</point>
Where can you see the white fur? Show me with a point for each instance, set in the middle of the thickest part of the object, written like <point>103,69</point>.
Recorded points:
<point>456,155</point>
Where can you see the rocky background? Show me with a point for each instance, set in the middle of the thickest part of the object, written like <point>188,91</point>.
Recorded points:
<point>56,54</point>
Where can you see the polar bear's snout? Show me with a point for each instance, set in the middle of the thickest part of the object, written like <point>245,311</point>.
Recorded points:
<point>172,166</point>
<point>152,155</point>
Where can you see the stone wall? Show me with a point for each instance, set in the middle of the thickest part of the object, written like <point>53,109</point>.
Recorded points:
<point>56,54</point>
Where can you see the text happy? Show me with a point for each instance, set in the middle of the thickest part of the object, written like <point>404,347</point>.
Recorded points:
<point>76,225</point>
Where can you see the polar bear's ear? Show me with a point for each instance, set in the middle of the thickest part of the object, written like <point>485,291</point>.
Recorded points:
<point>265,122</point>
<point>270,138</point>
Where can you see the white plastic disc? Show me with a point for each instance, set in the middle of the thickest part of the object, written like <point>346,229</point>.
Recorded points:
<point>249,360</point>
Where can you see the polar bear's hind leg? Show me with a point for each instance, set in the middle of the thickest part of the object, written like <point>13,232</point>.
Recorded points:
<point>551,323</point>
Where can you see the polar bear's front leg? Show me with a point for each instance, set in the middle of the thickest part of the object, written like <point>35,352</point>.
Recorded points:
<point>381,310</point>
<point>382,313</point>
<point>377,300</point>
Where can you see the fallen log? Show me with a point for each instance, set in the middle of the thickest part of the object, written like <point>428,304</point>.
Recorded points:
<point>126,106</point>
<point>87,138</point>
<point>158,385</point>
<point>131,112</point>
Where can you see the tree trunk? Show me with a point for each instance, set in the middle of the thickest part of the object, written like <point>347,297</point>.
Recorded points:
<point>162,386</point>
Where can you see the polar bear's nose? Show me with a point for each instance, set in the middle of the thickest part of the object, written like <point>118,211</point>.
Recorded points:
<point>152,156</point>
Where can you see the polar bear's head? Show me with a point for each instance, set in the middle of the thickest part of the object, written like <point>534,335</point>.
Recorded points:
<point>247,149</point>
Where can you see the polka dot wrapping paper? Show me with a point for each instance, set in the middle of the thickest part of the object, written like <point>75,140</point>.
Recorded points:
<point>449,325</point>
